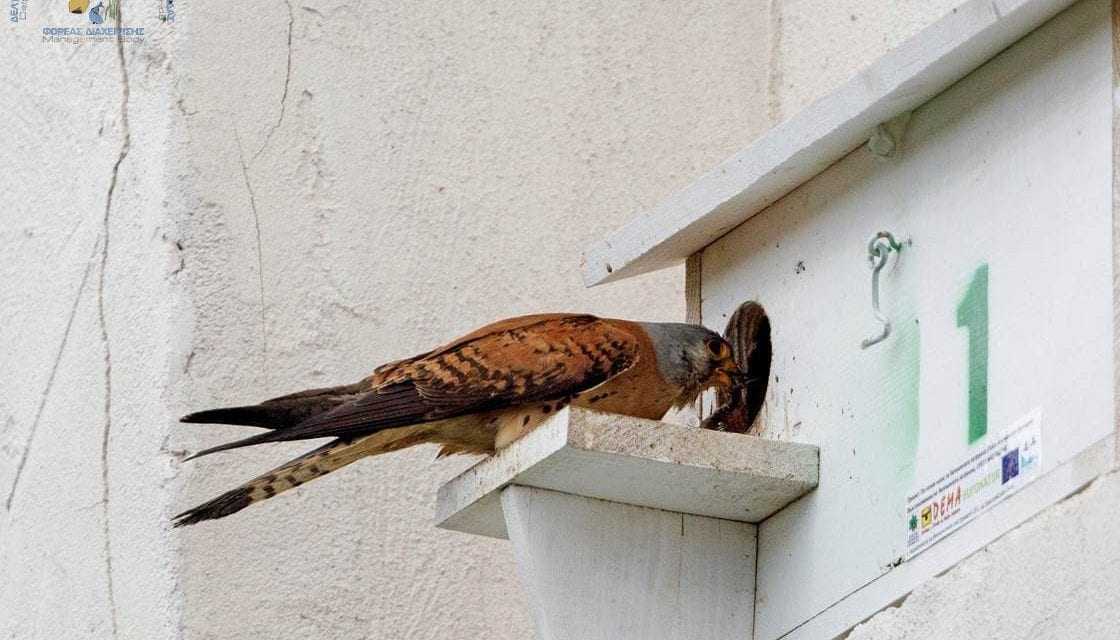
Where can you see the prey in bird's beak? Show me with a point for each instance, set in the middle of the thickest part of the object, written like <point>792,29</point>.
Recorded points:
<point>726,375</point>
<point>730,383</point>
<point>741,376</point>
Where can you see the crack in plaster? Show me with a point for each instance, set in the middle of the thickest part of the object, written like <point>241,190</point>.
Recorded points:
<point>26,453</point>
<point>126,145</point>
<point>260,252</point>
<point>284,92</point>
<point>246,167</point>
<point>895,604</point>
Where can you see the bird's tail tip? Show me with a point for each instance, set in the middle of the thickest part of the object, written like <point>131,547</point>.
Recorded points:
<point>268,436</point>
<point>253,416</point>
<point>309,466</point>
<point>226,504</point>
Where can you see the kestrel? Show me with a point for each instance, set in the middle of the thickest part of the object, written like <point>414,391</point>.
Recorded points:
<point>479,393</point>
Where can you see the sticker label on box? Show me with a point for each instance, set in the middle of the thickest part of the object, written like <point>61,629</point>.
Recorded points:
<point>987,477</point>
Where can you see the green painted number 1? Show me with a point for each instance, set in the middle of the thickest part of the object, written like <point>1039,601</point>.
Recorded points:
<point>972,314</point>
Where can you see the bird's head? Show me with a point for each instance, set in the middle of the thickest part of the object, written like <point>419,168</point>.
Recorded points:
<point>694,359</point>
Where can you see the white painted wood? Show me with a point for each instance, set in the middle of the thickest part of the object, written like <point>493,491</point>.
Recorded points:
<point>1116,211</point>
<point>693,288</point>
<point>633,461</point>
<point>1011,167</point>
<point>806,144</point>
<point>598,570</point>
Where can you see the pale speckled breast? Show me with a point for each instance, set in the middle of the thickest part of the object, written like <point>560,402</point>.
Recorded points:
<point>485,433</point>
<point>634,393</point>
<point>514,424</point>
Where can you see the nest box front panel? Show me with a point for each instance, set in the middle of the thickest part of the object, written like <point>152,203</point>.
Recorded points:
<point>1000,301</point>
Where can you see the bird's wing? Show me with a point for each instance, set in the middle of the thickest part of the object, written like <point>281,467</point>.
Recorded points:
<point>391,370</point>
<point>553,357</point>
<point>285,411</point>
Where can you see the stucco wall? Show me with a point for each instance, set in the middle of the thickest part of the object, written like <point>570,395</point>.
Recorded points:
<point>412,174</point>
<point>92,321</point>
<point>301,191</point>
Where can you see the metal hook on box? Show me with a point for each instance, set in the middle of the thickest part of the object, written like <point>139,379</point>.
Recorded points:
<point>878,250</point>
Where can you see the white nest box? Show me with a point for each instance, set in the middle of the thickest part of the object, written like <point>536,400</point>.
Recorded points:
<point>985,147</point>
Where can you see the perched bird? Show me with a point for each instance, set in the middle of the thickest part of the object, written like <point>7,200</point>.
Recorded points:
<point>478,394</point>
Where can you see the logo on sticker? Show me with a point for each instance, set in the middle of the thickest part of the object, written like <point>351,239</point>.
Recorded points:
<point>1010,465</point>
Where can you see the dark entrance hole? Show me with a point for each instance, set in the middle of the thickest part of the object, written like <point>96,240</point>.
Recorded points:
<point>748,331</point>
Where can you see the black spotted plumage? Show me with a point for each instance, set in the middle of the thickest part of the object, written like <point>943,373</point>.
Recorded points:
<point>474,395</point>
<point>509,369</point>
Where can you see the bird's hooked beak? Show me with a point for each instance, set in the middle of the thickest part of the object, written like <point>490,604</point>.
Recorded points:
<point>727,375</point>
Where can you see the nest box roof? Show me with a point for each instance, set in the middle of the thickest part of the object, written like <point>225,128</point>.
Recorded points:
<point>801,147</point>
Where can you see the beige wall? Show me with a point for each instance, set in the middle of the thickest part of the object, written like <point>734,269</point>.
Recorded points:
<point>92,327</point>
<point>435,168</point>
<point>389,179</point>
<point>429,170</point>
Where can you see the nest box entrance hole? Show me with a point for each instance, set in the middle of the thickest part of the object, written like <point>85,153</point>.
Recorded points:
<point>748,331</point>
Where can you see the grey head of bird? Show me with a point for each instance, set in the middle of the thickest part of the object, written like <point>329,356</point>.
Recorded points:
<point>693,358</point>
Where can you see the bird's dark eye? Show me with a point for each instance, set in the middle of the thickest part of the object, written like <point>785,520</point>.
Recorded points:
<point>718,348</point>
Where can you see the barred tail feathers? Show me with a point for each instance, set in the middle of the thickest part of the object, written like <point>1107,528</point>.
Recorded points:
<point>311,465</point>
<point>303,469</point>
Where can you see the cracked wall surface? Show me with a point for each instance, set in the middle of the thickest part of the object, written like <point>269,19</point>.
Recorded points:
<point>89,328</point>
<point>279,196</point>
<point>371,181</point>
